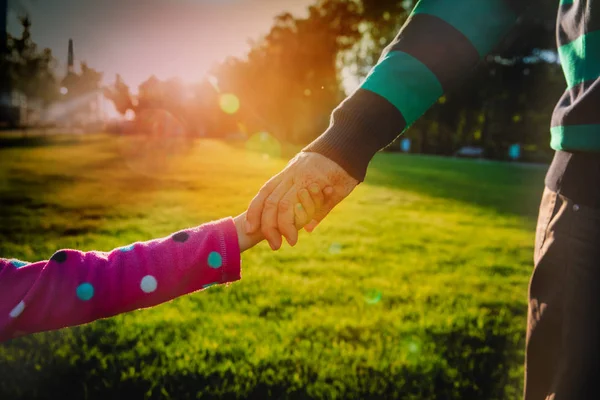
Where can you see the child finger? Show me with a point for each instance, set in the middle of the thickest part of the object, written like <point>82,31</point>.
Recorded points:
<point>301,216</point>
<point>307,202</point>
<point>317,196</point>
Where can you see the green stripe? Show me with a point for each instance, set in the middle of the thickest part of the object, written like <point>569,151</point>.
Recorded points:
<point>576,137</point>
<point>580,59</point>
<point>483,22</point>
<point>406,83</point>
<point>563,2</point>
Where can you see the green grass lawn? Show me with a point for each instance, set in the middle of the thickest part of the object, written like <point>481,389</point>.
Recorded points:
<point>414,288</point>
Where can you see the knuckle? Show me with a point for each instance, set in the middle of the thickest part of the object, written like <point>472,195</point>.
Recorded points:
<point>285,205</point>
<point>266,230</point>
<point>271,202</point>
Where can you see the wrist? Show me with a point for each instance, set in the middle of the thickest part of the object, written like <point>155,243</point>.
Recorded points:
<point>246,241</point>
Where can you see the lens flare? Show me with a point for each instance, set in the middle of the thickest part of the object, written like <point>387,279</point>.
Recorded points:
<point>412,347</point>
<point>229,103</point>
<point>214,82</point>
<point>335,248</point>
<point>373,296</point>
<point>265,144</point>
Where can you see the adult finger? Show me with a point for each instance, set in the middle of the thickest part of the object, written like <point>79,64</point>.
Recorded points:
<point>307,203</point>
<point>285,216</point>
<point>311,226</point>
<point>325,206</point>
<point>268,220</point>
<point>255,209</point>
<point>301,215</point>
<point>317,195</point>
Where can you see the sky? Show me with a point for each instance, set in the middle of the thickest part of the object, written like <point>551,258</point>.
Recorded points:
<point>138,38</point>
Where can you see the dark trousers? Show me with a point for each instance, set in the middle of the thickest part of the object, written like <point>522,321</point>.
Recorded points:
<point>563,325</point>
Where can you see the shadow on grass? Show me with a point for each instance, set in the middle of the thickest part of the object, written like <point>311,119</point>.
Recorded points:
<point>502,187</point>
<point>474,357</point>
<point>33,141</point>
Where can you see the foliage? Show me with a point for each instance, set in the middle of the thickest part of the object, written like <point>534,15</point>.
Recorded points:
<point>120,95</point>
<point>86,81</point>
<point>30,70</point>
<point>291,79</point>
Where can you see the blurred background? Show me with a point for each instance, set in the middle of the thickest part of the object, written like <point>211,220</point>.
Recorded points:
<point>126,120</point>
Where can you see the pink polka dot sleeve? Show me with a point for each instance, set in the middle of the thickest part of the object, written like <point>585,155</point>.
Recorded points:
<point>75,287</point>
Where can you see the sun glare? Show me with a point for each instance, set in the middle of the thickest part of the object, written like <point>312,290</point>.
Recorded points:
<point>229,103</point>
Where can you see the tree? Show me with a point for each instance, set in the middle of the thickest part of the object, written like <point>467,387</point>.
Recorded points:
<point>120,95</point>
<point>290,81</point>
<point>87,81</point>
<point>30,70</point>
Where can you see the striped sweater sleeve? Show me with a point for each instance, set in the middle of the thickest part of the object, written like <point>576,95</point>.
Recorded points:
<point>438,46</point>
<point>74,287</point>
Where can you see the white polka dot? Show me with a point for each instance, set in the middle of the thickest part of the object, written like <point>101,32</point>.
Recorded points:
<point>17,310</point>
<point>148,284</point>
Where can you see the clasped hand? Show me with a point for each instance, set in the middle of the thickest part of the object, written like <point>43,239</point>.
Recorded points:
<point>283,205</point>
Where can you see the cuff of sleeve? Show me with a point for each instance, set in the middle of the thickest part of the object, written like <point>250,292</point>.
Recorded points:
<point>361,126</point>
<point>228,240</point>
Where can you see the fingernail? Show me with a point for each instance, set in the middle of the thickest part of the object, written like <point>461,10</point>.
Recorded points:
<point>314,189</point>
<point>328,190</point>
<point>299,206</point>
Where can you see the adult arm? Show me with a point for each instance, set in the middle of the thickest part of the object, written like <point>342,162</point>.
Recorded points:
<point>439,45</point>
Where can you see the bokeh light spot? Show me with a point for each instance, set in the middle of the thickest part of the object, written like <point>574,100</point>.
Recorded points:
<point>229,103</point>
<point>265,144</point>
<point>412,348</point>
<point>373,296</point>
<point>335,248</point>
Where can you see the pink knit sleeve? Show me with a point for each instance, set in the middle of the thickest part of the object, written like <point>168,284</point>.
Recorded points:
<point>74,287</point>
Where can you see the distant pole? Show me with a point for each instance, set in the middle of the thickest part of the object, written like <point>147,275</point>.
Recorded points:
<point>71,59</point>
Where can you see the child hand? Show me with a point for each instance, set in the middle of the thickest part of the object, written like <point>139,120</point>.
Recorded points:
<point>309,202</point>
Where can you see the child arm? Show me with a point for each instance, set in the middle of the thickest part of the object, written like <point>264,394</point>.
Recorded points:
<point>74,287</point>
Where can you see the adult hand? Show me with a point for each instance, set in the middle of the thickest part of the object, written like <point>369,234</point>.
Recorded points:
<point>272,209</point>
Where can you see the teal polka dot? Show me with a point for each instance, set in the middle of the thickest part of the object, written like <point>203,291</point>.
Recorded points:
<point>18,263</point>
<point>126,248</point>
<point>215,260</point>
<point>85,291</point>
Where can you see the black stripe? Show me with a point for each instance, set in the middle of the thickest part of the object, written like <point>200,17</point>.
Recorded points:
<point>519,6</point>
<point>362,125</point>
<point>579,105</point>
<point>442,48</point>
<point>575,176</point>
<point>575,20</point>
